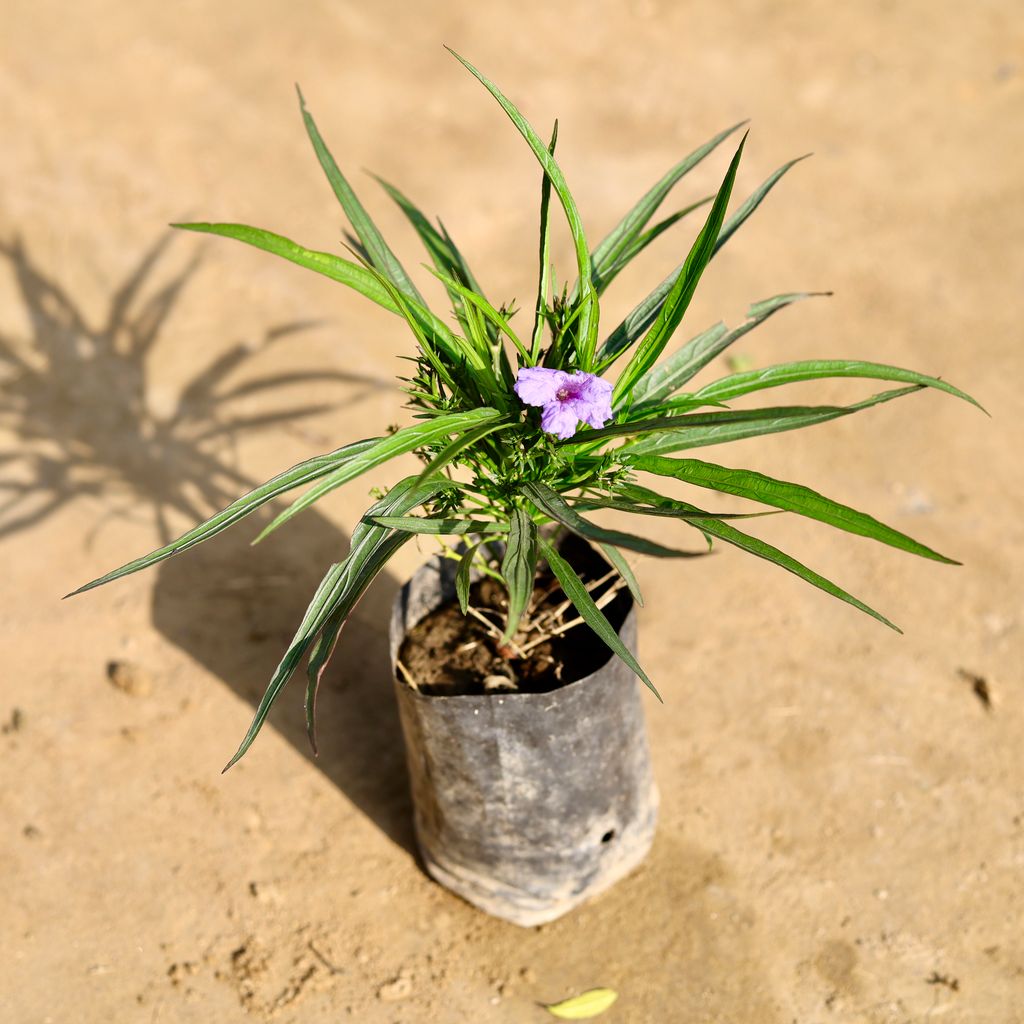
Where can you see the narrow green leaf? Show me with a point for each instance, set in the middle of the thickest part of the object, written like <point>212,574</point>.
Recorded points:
<point>442,250</point>
<point>620,505</point>
<point>544,274</point>
<point>336,596</point>
<point>303,473</point>
<point>641,242</point>
<point>435,337</point>
<point>716,528</point>
<point>405,440</point>
<point>643,315</point>
<point>492,315</point>
<point>791,497</point>
<point>553,504</point>
<point>753,201</point>
<point>462,576</point>
<point>613,247</point>
<point>459,445</point>
<point>445,256</point>
<point>376,248</point>
<point>662,380</point>
<point>738,384</point>
<point>334,267</point>
<point>440,527</point>
<point>678,299</point>
<point>719,428</point>
<point>584,1006</point>
<point>518,568</point>
<point>465,274</point>
<point>588,317</point>
<point>632,427</point>
<point>581,600</point>
<point>319,655</point>
<point>623,568</point>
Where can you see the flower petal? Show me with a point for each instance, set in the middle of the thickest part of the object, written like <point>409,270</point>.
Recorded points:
<point>560,419</point>
<point>537,385</point>
<point>594,401</point>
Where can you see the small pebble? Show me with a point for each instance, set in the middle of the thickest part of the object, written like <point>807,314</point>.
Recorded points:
<point>129,678</point>
<point>263,892</point>
<point>395,990</point>
<point>15,722</point>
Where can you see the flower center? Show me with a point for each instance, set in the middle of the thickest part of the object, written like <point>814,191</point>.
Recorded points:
<point>563,393</point>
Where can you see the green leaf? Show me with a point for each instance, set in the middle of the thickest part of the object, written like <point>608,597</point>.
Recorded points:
<point>445,256</point>
<point>642,315</point>
<point>519,567</point>
<point>720,428</point>
<point>500,323</point>
<point>753,201</point>
<point>553,504</point>
<point>465,274</point>
<point>334,267</point>
<point>678,299</point>
<point>442,250</point>
<point>544,274</point>
<point>405,440</point>
<point>623,568</point>
<point>320,654</point>
<point>791,497</point>
<point>662,380</point>
<point>631,427</point>
<point>614,246</point>
<point>581,600</point>
<point>590,503</point>
<point>462,574</point>
<point>588,316</point>
<point>440,527</point>
<point>373,242</point>
<point>642,241</point>
<point>300,474</point>
<point>584,1006</point>
<point>459,445</point>
<point>435,337</point>
<point>339,591</point>
<point>716,528</point>
<point>745,383</point>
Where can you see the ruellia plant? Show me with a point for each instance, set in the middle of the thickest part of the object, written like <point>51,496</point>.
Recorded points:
<point>525,430</point>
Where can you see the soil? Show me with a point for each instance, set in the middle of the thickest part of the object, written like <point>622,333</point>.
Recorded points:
<point>841,838</point>
<point>448,653</point>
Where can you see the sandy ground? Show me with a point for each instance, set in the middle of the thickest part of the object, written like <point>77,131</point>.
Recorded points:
<point>842,836</point>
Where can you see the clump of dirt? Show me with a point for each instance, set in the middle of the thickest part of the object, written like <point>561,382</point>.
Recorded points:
<point>447,653</point>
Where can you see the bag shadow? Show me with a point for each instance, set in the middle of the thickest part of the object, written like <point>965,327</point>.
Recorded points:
<point>234,609</point>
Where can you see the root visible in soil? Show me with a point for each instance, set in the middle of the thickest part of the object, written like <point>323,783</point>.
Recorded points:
<point>447,653</point>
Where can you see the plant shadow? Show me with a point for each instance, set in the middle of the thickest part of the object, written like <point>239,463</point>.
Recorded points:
<point>77,398</point>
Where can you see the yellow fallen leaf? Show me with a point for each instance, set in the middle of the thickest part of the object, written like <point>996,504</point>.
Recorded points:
<point>584,1006</point>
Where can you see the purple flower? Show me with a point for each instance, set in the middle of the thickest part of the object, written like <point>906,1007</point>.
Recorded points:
<point>566,398</point>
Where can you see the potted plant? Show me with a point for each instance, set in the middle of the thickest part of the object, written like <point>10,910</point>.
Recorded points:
<point>515,648</point>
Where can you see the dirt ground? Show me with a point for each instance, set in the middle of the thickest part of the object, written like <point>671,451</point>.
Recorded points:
<point>842,834</point>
